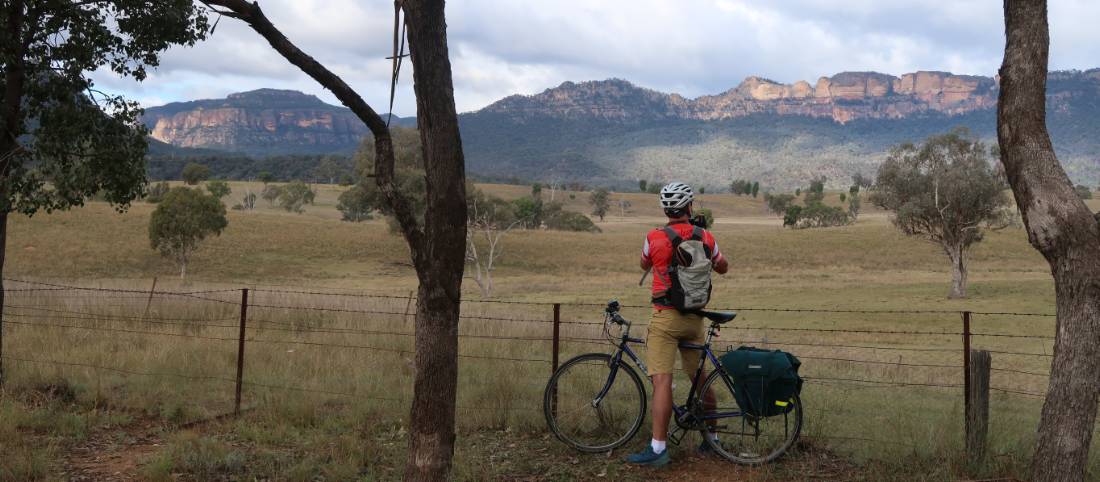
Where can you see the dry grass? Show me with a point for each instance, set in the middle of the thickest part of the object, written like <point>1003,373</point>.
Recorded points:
<point>865,266</point>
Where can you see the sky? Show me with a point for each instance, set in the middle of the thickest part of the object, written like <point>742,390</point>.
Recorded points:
<point>691,47</point>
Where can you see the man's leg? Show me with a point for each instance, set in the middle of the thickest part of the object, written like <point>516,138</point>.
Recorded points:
<point>661,358</point>
<point>709,401</point>
<point>661,410</point>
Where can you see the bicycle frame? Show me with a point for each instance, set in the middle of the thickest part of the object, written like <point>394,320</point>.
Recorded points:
<point>679,411</point>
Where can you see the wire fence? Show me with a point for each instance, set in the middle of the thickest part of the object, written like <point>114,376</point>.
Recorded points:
<point>242,347</point>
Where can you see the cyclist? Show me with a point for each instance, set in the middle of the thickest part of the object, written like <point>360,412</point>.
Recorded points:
<point>668,326</point>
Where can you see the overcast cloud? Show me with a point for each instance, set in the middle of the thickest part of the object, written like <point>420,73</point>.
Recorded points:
<point>692,47</point>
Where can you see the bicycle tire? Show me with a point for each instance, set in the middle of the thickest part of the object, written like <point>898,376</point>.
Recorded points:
<point>548,404</point>
<point>789,439</point>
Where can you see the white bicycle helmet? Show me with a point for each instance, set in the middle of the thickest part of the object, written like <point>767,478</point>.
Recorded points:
<point>676,195</point>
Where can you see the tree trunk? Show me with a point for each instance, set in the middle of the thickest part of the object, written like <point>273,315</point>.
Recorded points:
<point>957,255</point>
<point>437,250</point>
<point>442,260</point>
<point>1062,228</point>
<point>3,252</point>
<point>12,126</point>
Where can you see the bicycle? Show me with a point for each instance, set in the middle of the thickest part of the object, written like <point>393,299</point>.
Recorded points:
<point>610,408</point>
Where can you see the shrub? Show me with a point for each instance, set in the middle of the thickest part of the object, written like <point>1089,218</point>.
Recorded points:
<point>1083,192</point>
<point>295,196</point>
<point>818,215</point>
<point>778,203</point>
<point>157,192</point>
<point>271,193</point>
<point>792,215</point>
<point>571,221</point>
<point>218,188</point>
<point>355,204</point>
<point>193,173</point>
<point>707,215</point>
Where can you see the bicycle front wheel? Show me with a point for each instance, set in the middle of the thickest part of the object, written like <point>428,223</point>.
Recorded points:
<point>742,438</point>
<point>577,414</point>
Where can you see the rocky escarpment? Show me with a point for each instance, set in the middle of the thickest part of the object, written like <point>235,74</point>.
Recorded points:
<point>260,121</point>
<point>843,97</point>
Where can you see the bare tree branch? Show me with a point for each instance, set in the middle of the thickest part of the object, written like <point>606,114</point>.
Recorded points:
<point>251,14</point>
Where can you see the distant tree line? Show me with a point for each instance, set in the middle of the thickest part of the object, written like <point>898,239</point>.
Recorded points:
<point>363,201</point>
<point>814,212</point>
<point>742,187</point>
<point>313,168</point>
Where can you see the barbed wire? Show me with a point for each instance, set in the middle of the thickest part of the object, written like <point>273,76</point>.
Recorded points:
<point>243,382</point>
<point>121,370</point>
<point>118,330</point>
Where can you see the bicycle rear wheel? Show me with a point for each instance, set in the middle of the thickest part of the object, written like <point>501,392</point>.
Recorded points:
<point>745,439</point>
<point>580,420</point>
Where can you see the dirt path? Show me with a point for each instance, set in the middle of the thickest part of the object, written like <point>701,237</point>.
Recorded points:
<point>113,455</point>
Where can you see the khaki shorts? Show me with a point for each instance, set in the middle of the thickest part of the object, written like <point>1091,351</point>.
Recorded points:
<point>667,328</point>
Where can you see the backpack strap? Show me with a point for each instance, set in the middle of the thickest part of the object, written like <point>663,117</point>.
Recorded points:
<point>673,237</point>
<point>697,235</point>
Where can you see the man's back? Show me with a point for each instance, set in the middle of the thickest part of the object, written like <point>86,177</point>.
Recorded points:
<point>657,252</point>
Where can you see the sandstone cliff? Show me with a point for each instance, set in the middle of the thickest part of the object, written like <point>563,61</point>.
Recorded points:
<point>260,121</point>
<point>843,97</point>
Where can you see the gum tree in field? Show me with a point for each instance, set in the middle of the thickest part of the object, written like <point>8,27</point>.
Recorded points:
<point>600,200</point>
<point>437,245</point>
<point>218,188</point>
<point>1061,227</point>
<point>945,190</point>
<point>61,140</point>
<point>182,221</point>
<point>194,173</point>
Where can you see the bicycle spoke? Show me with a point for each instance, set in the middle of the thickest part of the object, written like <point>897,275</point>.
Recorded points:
<point>592,426</point>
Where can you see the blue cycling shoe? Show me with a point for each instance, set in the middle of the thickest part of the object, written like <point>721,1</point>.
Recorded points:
<point>647,457</point>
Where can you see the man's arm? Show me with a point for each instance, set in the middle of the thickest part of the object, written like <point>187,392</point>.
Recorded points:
<point>720,265</point>
<point>646,263</point>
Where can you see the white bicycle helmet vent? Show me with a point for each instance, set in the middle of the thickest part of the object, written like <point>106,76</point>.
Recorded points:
<point>676,195</point>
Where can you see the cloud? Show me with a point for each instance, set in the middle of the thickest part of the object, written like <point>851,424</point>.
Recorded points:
<point>692,47</point>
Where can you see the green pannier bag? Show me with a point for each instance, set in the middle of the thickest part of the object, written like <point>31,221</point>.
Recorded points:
<point>765,382</point>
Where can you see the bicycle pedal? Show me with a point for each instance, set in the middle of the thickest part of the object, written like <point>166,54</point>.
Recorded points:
<point>676,435</point>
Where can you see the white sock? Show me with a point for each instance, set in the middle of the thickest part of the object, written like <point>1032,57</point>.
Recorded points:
<point>713,436</point>
<point>657,445</point>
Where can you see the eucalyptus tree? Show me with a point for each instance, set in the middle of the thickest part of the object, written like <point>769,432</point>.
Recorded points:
<point>947,191</point>
<point>1061,227</point>
<point>436,244</point>
<point>63,140</point>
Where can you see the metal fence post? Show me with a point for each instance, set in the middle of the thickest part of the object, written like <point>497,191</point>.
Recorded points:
<point>554,357</point>
<point>977,415</point>
<point>966,368</point>
<point>240,351</point>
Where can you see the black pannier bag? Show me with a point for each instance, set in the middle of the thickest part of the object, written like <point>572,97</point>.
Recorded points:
<point>765,382</point>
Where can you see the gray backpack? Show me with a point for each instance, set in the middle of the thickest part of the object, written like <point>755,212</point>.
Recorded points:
<point>688,271</point>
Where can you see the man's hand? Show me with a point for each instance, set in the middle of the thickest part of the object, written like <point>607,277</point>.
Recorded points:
<point>646,264</point>
<point>722,266</point>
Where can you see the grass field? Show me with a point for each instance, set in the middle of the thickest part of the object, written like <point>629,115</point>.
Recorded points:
<point>349,428</point>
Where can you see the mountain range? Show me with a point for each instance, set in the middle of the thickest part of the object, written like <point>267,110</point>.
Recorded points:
<point>614,132</point>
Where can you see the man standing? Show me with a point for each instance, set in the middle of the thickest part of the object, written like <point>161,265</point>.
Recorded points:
<point>668,325</point>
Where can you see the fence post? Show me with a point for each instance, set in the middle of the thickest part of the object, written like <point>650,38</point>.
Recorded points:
<point>977,414</point>
<point>240,351</point>
<point>149,302</point>
<point>966,367</point>
<point>2,303</point>
<point>554,357</point>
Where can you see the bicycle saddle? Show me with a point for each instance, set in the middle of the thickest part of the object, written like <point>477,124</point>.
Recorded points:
<point>718,316</point>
